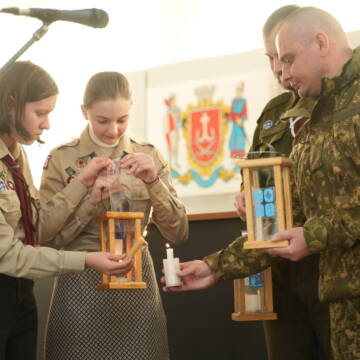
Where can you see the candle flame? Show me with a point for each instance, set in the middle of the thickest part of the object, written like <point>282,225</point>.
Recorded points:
<point>167,245</point>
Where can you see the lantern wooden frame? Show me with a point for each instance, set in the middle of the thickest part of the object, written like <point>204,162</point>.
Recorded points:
<point>107,236</point>
<point>281,167</point>
<point>240,313</point>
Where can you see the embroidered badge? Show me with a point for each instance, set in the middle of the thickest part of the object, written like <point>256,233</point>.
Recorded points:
<point>80,163</point>
<point>70,171</point>
<point>267,124</point>
<point>92,155</point>
<point>123,153</point>
<point>69,179</point>
<point>2,186</point>
<point>46,164</point>
<point>10,185</point>
<point>3,176</point>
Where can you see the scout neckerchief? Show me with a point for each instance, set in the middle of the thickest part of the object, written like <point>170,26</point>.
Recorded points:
<point>24,197</point>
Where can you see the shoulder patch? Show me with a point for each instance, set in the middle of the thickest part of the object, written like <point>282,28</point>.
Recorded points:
<point>267,124</point>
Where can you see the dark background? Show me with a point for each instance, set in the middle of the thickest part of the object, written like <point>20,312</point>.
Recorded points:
<point>199,322</point>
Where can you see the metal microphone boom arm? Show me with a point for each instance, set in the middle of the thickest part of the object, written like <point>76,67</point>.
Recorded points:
<point>38,34</point>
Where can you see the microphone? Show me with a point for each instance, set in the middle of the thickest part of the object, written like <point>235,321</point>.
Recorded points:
<point>91,17</point>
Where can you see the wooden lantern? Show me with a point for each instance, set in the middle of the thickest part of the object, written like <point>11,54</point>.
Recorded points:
<point>268,211</point>
<point>253,298</point>
<point>133,241</point>
<point>267,200</point>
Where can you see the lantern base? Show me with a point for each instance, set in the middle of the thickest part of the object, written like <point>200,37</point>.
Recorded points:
<point>113,285</point>
<point>265,244</point>
<point>254,316</point>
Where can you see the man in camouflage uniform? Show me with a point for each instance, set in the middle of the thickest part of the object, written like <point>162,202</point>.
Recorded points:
<point>318,61</point>
<point>302,329</point>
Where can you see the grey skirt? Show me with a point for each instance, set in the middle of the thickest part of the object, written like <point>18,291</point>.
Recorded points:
<point>85,323</point>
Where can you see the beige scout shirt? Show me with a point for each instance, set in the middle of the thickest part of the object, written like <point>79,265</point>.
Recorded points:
<point>16,258</point>
<point>66,161</point>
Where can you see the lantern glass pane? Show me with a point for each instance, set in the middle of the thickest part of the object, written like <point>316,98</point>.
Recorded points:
<point>263,202</point>
<point>254,293</point>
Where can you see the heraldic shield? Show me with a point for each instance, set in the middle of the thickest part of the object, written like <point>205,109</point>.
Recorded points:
<point>205,134</point>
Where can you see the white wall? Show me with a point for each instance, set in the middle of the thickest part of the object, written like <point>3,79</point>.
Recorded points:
<point>141,35</point>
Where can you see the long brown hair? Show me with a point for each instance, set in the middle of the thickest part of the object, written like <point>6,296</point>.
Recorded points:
<point>21,83</point>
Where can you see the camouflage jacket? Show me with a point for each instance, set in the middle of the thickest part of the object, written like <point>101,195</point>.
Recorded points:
<point>272,128</point>
<point>326,182</point>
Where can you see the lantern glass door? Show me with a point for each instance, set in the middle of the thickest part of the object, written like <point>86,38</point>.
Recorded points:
<point>263,207</point>
<point>120,231</point>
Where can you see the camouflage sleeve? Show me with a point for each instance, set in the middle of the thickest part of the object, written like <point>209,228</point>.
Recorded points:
<point>234,262</point>
<point>339,226</point>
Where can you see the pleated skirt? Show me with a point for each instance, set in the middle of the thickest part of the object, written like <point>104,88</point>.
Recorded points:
<point>85,323</point>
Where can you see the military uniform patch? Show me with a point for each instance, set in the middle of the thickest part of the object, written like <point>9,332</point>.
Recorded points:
<point>46,164</point>
<point>268,124</point>
<point>70,171</point>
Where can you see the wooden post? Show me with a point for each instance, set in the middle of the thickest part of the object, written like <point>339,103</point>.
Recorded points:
<point>133,280</point>
<point>281,171</point>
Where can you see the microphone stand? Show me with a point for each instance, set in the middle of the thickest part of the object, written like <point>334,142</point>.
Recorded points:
<point>38,34</point>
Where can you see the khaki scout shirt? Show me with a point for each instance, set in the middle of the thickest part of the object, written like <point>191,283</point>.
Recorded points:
<point>16,258</point>
<point>66,161</point>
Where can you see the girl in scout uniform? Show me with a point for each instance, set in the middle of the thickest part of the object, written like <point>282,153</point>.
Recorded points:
<point>27,96</point>
<point>85,323</point>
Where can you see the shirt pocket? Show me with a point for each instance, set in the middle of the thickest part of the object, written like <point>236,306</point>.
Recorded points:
<point>10,207</point>
<point>346,148</point>
<point>139,199</point>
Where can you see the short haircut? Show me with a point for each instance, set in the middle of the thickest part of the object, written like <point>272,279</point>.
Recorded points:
<point>277,17</point>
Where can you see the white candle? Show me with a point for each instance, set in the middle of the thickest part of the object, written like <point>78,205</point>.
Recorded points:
<point>253,295</point>
<point>171,266</point>
<point>119,246</point>
<point>253,303</point>
<point>170,255</point>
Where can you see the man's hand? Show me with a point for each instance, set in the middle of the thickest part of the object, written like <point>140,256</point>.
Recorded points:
<point>110,264</point>
<point>297,248</point>
<point>195,275</point>
<point>240,205</point>
<point>141,166</point>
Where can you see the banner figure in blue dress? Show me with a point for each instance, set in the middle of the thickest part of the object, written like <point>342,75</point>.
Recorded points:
<point>238,114</point>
